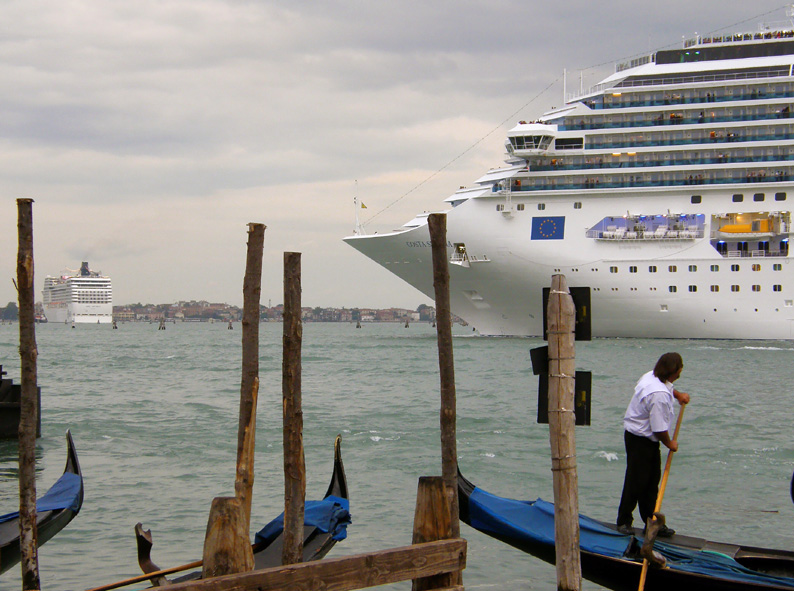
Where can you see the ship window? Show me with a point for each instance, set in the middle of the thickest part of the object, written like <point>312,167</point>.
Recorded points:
<point>756,288</point>
<point>715,288</point>
<point>780,196</point>
<point>734,288</point>
<point>632,269</point>
<point>541,206</point>
<point>571,143</point>
<point>758,197</point>
<point>672,289</point>
<point>693,288</point>
<point>672,268</point>
<point>578,204</point>
<point>738,198</point>
<point>777,288</point>
<point>520,207</point>
<point>613,269</point>
<point>734,268</point>
<point>652,269</point>
<point>715,267</point>
<point>777,267</point>
<point>500,207</point>
<point>756,267</point>
<point>693,268</point>
<point>696,199</point>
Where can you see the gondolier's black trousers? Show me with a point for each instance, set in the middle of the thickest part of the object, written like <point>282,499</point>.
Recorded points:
<point>641,483</point>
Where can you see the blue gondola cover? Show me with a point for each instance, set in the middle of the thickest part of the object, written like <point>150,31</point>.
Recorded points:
<point>331,515</point>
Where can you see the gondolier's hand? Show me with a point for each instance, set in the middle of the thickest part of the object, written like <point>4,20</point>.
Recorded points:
<point>682,397</point>
<point>664,437</point>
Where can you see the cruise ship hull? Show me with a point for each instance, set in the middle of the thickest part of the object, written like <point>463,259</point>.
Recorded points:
<point>67,314</point>
<point>498,290</point>
<point>666,189</point>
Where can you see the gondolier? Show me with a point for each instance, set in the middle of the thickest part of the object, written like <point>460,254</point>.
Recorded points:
<point>647,422</point>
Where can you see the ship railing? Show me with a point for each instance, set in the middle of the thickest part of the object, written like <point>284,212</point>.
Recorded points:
<point>615,162</point>
<point>758,253</point>
<point>679,120</point>
<point>628,101</point>
<point>621,234</point>
<point>701,139</point>
<point>556,183</point>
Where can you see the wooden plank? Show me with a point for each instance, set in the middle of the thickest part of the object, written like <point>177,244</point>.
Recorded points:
<point>346,573</point>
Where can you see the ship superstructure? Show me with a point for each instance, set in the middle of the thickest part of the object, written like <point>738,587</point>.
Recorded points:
<point>84,296</point>
<point>667,189</point>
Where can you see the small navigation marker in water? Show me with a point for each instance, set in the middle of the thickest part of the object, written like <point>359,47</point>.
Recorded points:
<point>162,324</point>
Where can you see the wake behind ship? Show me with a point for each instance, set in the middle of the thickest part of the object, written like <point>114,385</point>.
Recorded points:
<point>84,296</point>
<point>664,188</point>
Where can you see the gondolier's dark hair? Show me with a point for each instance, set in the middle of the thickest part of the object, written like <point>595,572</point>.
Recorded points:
<point>667,366</point>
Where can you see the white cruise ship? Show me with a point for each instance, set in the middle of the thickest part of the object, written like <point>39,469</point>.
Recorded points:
<point>82,297</point>
<point>667,189</point>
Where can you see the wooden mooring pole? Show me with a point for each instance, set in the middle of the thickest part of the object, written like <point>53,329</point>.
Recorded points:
<point>561,314</point>
<point>28,534</point>
<point>437,223</point>
<point>227,547</point>
<point>294,464</point>
<point>249,382</point>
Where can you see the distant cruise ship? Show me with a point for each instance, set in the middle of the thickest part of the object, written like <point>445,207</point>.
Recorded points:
<point>82,297</point>
<point>665,189</point>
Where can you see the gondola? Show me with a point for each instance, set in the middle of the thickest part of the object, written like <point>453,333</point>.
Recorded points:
<point>612,559</point>
<point>54,510</point>
<point>325,522</point>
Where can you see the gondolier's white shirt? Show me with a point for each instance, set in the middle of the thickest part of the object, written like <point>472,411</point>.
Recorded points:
<point>651,408</point>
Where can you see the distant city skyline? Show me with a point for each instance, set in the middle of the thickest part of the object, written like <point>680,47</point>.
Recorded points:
<point>149,135</point>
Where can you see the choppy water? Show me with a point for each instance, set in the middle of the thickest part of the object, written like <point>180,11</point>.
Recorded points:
<point>154,417</point>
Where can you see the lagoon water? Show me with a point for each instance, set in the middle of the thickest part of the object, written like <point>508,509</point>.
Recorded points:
<point>154,417</point>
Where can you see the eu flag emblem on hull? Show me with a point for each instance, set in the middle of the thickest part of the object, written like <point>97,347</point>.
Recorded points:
<point>548,228</point>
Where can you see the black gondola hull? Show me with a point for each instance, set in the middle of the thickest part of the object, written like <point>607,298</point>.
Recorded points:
<point>623,574</point>
<point>48,523</point>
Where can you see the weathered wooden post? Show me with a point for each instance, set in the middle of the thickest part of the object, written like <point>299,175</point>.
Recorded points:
<point>294,464</point>
<point>249,382</point>
<point>432,522</point>
<point>227,546</point>
<point>28,353</point>
<point>437,223</point>
<point>561,315</point>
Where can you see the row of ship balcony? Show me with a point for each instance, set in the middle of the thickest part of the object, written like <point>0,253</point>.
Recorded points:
<point>755,134</point>
<point>619,161</point>
<point>679,79</point>
<point>519,144</point>
<point>657,234</point>
<point>618,100</point>
<point>627,181</point>
<point>772,112</point>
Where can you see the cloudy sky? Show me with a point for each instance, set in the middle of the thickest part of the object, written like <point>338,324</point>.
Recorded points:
<point>149,133</point>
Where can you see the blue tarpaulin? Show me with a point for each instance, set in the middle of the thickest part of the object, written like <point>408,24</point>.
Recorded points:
<point>64,494</point>
<point>533,522</point>
<point>331,515</point>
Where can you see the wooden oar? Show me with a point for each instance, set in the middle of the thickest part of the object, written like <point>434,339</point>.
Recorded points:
<point>662,486</point>
<point>147,576</point>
